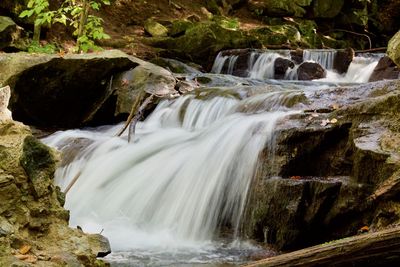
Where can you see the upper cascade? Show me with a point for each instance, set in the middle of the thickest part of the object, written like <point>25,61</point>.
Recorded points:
<point>324,65</point>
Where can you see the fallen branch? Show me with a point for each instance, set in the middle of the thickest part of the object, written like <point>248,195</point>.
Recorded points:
<point>369,249</point>
<point>138,115</point>
<point>135,114</point>
<point>135,105</point>
<point>76,177</point>
<point>372,50</point>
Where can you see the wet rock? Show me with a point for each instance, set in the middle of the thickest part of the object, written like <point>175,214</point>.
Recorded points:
<point>281,65</point>
<point>9,33</point>
<point>174,66</point>
<point>357,157</point>
<point>308,71</point>
<point>155,29</point>
<point>99,244</point>
<point>342,60</point>
<point>292,210</point>
<point>297,56</point>
<point>386,69</point>
<point>50,90</point>
<point>393,50</point>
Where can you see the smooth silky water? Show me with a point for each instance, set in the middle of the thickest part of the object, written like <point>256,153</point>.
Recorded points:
<point>176,194</point>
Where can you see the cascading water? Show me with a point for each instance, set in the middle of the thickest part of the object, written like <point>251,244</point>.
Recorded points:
<point>261,65</point>
<point>187,173</point>
<point>165,198</point>
<point>323,57</point>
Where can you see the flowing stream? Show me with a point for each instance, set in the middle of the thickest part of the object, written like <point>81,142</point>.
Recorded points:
<point>176,194</point>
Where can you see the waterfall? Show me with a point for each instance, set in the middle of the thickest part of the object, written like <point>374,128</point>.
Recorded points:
<point>220,61</point>
<point>187,172</point>
<point>323,57</point>
<point>261,65</point>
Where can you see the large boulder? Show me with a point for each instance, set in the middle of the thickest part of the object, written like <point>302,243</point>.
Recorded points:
<point>9,33</point>
<point>386,69</point>
<point>33,224</point>
<point>51,90</point>
<point>336,169</point>
<point>393,49</point>
<point>138,83</point>
<point>310,71</point>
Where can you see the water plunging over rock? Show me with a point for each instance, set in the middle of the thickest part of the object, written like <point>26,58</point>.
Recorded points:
<point>323,65</point>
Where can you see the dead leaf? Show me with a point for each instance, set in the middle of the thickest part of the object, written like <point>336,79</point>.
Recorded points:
<point>333,121</point>
<point>335,106</point>
<point>325,122</point>
<point>364,229</point>
<point>25,249</point>
<point>295,177</point>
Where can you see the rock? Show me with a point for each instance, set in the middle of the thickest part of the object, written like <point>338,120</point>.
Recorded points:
<point>297,56</point>
<point>147,78</point>
<point>386,69</point>
<point>308,71</point>
<point>276,35</point>
<point>29,205</point>
<point>342,60</point>
<point>50,90</point>
<point>174,66</point>
<point>276,8</point>
<point>38,162</point>
<point>281,65</point>
<point>393,50</point>
<point>291,212</point>
<point>179,27</point>
<point>5,95</point>
<point>155,29</point>
<point>99,244</point>
<point>202,42</point>
<point>9,32</point>
<point>331,180</point>
<point>327,8</point>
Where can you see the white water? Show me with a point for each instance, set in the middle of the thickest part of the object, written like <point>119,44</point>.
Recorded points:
<point>261,66</point>
<point>187,172</point>
<point>325,57</point>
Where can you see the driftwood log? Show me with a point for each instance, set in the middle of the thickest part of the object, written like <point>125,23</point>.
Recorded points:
<point>380,248</point>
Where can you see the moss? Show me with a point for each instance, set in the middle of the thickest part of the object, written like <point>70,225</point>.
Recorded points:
<point>39,164</point>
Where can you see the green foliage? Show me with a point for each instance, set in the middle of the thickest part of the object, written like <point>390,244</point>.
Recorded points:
<point>73,13</point>
<point>35,47</point>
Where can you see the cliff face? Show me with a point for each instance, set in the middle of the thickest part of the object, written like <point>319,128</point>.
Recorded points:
<point>33,223</point>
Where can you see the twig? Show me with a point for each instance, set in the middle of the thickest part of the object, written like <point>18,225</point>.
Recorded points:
<point>137,116</point>
<point>72,182</point>
<point>355,33</point>
<point>131,114</point>
<point>372,50</point>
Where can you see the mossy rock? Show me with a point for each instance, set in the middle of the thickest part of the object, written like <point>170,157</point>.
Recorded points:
<point>276,34</point>
<point>39,164</point>
<point>155,29</point>
<point>393,49</point>
<point>179,27</point>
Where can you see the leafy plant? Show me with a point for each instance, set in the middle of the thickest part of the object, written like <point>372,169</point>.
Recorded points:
<point>74,13</point>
